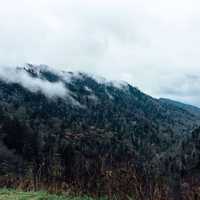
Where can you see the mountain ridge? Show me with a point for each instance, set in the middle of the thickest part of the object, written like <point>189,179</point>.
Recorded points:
<point>83,90</point>
<point>70,128</point>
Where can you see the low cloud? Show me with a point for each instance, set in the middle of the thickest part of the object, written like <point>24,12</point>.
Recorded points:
<point>49,89</point>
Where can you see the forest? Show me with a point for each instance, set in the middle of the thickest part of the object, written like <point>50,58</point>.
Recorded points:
<point>128,146</point>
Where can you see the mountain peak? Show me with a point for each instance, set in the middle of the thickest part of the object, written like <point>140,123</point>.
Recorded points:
<point>34,69</point>
<point>68,76</point>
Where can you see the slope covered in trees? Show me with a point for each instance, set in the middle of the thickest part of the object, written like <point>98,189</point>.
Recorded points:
<point>72,131</point>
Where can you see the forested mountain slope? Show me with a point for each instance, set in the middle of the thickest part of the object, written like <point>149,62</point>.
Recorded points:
<point>90,101</point>
<point>76,128</point>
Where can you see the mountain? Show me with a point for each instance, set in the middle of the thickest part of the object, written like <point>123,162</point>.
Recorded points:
<point>192,109</point>
<point>75,127</point>
<point>93,101</point>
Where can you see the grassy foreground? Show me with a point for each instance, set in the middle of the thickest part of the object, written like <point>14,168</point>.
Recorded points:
<point>6,194</point>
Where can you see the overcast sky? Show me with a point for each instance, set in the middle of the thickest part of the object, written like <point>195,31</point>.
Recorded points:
<point>152,44</point>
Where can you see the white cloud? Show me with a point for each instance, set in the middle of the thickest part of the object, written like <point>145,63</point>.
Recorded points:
<point>51,90</point>
<point>152,44</point>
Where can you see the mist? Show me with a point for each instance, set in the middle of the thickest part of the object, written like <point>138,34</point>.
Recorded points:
<point>10,74</point>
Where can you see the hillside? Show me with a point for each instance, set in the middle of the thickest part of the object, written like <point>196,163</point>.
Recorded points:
<point>192,109</point>
<point>101,103</point>
<point>87,133</point>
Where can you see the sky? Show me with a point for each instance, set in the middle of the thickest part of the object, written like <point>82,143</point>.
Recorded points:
<point>152,44</point>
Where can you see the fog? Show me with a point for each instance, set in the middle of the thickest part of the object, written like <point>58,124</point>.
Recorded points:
<point>50,90</point>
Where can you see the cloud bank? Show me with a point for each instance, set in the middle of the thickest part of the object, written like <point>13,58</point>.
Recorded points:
<point>50,90</point>
<point>153,44</point>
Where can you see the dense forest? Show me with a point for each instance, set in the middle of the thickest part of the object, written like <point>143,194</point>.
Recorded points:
<point>100,138</point>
